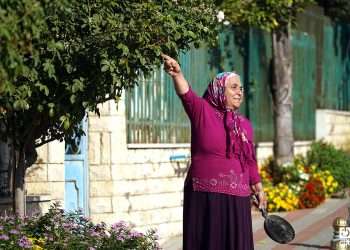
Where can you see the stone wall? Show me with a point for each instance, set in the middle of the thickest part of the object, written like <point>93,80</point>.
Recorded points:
<point>334,126</point>
<point>134,183</point>
<point>45,179</point>
<point>265,149</point>
<point>139,183</point>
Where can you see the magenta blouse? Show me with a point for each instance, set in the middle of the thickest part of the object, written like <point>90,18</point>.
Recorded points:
<point>211,170</point>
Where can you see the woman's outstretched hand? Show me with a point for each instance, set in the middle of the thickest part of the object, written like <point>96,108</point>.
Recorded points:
<point>171,66</point>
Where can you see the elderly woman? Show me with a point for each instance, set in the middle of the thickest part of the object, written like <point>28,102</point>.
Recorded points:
<point>223,171</point>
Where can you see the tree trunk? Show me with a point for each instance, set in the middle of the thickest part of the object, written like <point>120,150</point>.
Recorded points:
<point>19,168</point>
<point>282,83</point>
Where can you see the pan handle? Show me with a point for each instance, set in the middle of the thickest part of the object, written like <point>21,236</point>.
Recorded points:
<point>256,203</point>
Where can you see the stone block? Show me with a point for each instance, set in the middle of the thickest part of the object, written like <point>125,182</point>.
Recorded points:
<point>104,108</point>
<point>43,156</point>
<point>144,170</point>
<point>38,188</point>
<point>105,148</point>
<point>100,173</point>
<point>131,171</point>
<point>148,186</point>
<point>169,230</point>
<point>341,128</point>
<point>98,124</point>
<point>119,152</point>
<point>37,173</point>
<point>118,108</point>
<point>108,218</point>
<point>101,189</point>
<point>331,124</point>
<point>156,201</point>
<point>322,120</point>
<point>128,203</point>
<point>156,216</point>
<point>154,155</point>
<point>94,148</point>
<point>341,119</point>
<point>57,190</point>
<point>101,205</point>
<point>56,151</point>
<point>56,172</point>
<point>121,204</point>
<point>106,123</point>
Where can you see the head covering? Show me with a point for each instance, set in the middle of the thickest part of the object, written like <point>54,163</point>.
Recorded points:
<point>237,142</point>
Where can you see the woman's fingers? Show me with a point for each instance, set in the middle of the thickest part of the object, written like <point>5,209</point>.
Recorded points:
<point>171,66</point>
<point>262,200</point>
<point>165,57</point>
<point>168,61</point>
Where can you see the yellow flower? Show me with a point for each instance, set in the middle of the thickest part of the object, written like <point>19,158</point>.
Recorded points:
<point>36,243</point>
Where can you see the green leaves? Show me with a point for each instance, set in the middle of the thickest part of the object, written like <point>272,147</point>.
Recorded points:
<point>49,68</point>
<point>78,85</point>
<point>65,121</point>
<point>20,105</point>
<point>43,88</point>
<point>59,58</point>
<point>268,15</point>
<point>338,10</point>
<point>124,48</point>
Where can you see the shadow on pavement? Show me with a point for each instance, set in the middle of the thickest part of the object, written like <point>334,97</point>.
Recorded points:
<point>310,246</point>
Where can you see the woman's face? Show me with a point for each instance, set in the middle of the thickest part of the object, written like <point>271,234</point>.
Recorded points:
<point>233,92</point>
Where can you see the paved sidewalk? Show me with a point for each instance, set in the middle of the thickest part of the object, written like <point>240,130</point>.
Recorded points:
<point>313,228</point>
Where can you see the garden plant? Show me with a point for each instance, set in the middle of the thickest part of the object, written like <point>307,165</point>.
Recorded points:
<point>72,231</point>
<point>308,180</point>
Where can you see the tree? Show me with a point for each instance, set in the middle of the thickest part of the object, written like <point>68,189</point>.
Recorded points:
<point>338,10</point>
<point>276,17</point>
<point>62,58</point>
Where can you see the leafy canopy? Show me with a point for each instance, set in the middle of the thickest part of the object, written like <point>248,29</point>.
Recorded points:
<point>338,10</point>
<point>60,58</point>
<point>265,14</point>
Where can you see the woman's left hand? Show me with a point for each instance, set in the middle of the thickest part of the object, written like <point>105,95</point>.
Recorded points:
<point>259,192</point>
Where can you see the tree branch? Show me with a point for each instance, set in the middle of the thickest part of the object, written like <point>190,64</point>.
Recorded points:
<point>49,140</point>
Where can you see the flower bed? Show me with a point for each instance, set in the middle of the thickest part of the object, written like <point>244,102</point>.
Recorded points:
<point>306,182</point>
<point>59,230</point>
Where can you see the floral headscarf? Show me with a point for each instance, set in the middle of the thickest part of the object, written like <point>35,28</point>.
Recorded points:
<point>237,142</point>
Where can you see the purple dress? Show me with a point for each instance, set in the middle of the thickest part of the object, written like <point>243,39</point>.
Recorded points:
<point>217,210</point>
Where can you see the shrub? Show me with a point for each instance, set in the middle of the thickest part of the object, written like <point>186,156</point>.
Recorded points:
<point>312,194</point>
<point>72,231</point>
<point>326,157</point>
<point>12,236</point>
<point>296,185</point>
<point>329,183</point>
<point>281,198</point>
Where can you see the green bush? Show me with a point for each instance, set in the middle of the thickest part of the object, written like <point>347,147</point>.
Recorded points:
<point>59,230</point>
<point>326,157</point>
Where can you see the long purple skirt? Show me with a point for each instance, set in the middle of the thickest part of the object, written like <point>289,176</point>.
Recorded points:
<point>214,221</point>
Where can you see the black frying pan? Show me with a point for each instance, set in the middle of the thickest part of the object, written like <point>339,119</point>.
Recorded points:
<point>277,228</point>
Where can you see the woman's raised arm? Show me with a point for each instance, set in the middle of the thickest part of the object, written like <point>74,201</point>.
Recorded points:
<point>172,67</point>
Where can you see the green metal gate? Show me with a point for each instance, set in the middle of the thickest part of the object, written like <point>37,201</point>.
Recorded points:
<point>321,79</point>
